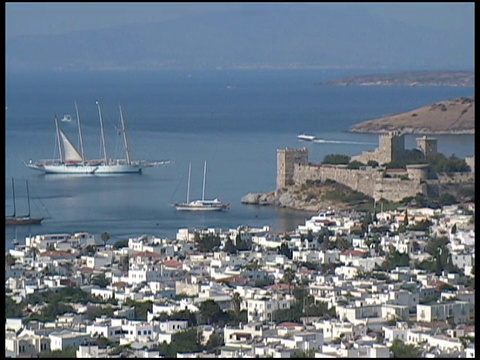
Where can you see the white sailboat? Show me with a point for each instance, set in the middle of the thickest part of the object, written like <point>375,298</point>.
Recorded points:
<point>116,166</point>
<point>200,205</point>
<point>70,160</point>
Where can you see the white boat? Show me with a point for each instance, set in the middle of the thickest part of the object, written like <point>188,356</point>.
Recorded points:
<point>70,160</point>
<point>200,205</point>
<point>306,137</point>
<point>116,166</point>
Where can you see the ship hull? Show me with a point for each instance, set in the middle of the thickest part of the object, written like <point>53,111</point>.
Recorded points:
<point>23,221</point>
<point>63,169</point>
<point>119,169</point>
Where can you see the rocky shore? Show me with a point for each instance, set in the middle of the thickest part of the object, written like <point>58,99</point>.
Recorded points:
<point>314,198</point>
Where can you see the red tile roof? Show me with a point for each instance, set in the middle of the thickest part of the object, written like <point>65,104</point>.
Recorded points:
<point>354,252</point>
<point>57,254</point>
<point>172,263</point>
<point>289,324</point>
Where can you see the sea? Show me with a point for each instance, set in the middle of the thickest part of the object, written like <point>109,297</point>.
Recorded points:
<point>234,120</point>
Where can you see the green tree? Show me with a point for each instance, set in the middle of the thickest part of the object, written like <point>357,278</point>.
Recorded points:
<point>285,250</point>
<point>336,159</point>
<point>229,247</point>
<point>401,350</point>
<point>105,237</point>
<point>210,312</point>
<point>10,259</point>
<point>454,228</point>
<point>215,341</point>
<point>237,302</point>
<point>355,164</point>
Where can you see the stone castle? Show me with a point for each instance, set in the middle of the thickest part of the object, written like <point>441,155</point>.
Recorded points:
<point>293,168</point>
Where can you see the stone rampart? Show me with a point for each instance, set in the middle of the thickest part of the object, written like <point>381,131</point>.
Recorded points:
<point>395,189</point>
<point>370,181</point>
<point>457,177</point>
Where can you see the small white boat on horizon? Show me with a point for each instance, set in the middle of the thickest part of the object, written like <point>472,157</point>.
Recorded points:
<point>306,137</point>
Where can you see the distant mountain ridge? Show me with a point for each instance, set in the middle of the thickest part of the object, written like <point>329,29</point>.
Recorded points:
<point>415,78</point>
<point>282,36</point>
<point>455,116</point>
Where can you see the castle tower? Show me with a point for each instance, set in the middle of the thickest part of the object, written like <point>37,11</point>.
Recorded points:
<point>392,147</point>
<point>428,146</point>
<point>286,160</point>
<point>418,172</point>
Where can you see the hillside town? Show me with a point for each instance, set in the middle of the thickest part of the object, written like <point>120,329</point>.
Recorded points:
<point>396,283</point>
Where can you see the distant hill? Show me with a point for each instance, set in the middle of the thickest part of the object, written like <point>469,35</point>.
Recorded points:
<point>257,36</point>
<point>455,116</point>
<point>418,78</point>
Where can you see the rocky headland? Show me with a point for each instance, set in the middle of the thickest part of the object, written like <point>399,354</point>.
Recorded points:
<point>314,198</point>
<point>455,116</point>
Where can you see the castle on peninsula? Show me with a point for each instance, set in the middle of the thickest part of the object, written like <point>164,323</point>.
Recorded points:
<point>293,168</point>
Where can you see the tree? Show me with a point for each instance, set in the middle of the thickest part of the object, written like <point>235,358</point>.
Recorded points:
<point>336,159</point>
<point>454,228</point>
<point>10,260</point>
<point>401,350</point>
<point>210,312</point>
<point>285,250</point>
<point>105,237</point>
<point>229,247</point>
<point>237,301</point>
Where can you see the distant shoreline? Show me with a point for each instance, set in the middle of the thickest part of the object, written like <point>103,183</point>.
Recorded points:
<point>411,78</point>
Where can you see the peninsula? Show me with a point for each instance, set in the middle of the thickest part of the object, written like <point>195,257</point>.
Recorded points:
<point>455,116</point>
<point>416,78</point>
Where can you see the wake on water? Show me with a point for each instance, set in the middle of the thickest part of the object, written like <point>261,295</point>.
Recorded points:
<point>323,141</point>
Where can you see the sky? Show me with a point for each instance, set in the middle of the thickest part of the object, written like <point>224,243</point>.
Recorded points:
<point>32,18</point>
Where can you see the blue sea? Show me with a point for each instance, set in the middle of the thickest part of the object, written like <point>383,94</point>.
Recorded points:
<point>235,120</point>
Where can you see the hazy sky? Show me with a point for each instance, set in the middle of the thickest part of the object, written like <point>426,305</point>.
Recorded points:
<point>56,18</point>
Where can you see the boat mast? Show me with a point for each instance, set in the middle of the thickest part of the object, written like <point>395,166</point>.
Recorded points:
<point>204,176</point>
<point>62,158</point>
<point>28,198</point>
<point>188,185</point>
<point>127,150</point>
<point>13,194</point>
<point>103,135</point>
<point>80,133</point>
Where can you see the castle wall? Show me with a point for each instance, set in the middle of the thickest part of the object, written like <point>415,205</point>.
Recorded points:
<point>397,189</point>
<point>369,181</point>
<point>455,178</point>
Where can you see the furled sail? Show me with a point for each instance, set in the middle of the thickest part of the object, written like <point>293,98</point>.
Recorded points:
<point>70,153</point>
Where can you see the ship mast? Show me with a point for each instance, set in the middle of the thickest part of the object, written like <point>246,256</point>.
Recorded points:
<point>62,157</point>
<point>103,135</point>
<point>188,184</point>
<point>204,176</point>
<point>127,150</point>
<point>13,194</point>
<point>80,133</point>
<point>28,198</point>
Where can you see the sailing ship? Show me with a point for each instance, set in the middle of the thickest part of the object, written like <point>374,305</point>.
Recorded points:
<point>21,220</point>
<point>70,161</point>
<point>200,205</point>
<point>116,166</point>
